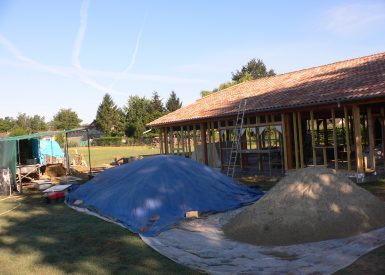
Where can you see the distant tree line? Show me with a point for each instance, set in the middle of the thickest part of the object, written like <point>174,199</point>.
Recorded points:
<point>24,124</point>
<point>129,120</point>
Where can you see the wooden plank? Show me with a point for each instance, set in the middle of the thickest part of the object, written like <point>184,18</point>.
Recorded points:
<point>295,141</point>
<point>358,138</point>
<point>347,139</point>
<point>313,138</point>
<point>326,141</point>
<point>249,139</point>
<point>195,143</point>
<point>165,134</point>
<point>204,143</point>
<point>372,156</point>
<point>335,140</point>
<point>284,142</point>
<point>300,140</point>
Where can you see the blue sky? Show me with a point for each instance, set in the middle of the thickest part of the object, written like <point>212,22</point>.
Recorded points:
<point>68,54</point>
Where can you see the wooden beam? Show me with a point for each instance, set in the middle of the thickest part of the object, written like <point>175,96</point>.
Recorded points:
<point>195,143</point>
<point>253,125</point>
<point>295,140</point>
<point>347,138</point>
<point>284,142</point>
<point>313,138</point>
<point>300,140</point>
<point>372,156</point>
<point>335,140</point>
<point>204,143</point>
<point>358,138</point>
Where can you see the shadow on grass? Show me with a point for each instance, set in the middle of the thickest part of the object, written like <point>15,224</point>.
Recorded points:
<point>44,238</point>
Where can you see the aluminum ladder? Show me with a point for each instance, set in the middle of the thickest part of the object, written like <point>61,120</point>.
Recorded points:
<point>236,145</point>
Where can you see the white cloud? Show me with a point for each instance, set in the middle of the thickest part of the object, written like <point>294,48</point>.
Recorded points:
<point>355,18</point>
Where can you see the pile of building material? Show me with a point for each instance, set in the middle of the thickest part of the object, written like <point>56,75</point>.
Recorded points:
<point>313,204</point>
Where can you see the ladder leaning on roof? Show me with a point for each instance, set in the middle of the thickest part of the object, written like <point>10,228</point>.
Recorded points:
<point>236,145</point>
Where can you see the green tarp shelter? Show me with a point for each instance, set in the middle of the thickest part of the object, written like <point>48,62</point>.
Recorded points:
<point>8,158</point>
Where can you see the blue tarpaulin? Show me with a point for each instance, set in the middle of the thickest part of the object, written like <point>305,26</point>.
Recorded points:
<point>42,148</point>
<point>150,195</point>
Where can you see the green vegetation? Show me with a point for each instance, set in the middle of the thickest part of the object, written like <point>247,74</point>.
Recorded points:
<point>254,69</point>
<point>173,103</point>
<point>66,119</point>
<point>40,238</point>
<point>109,117</point>
<point>105,155</point>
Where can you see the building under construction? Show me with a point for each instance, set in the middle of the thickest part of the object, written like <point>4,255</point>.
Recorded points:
<point>330,115</point>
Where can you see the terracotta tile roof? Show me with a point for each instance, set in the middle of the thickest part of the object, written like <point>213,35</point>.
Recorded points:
<point>349,80</point>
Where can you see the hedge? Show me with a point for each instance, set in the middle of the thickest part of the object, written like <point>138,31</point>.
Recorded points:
<point>107,141</point>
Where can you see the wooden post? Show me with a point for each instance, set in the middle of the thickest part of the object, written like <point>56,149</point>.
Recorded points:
<point>382,119</point>
<point>220,145</point>
<point>335,140</point>
<point>295,140</point>
<point>347,137</point>
<point>372,156</point>
<point>326,141</point>
<point>204,143</point>
<point>172,141</point>
<point>214,147</point>
<point>288,142</point>
<point>358,138</point>
<point>189,141</point>
<point>313,137</point>
<point>284,142</point>
<point>182,139</point>
<point>300,140</point>
<point>195,143</point>
<point>210,149</point>
<point>165,134</point>
<point>161,141</point>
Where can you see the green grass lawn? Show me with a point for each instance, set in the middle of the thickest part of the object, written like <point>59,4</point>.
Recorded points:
<point>40,238</point>
<point>101,156</point>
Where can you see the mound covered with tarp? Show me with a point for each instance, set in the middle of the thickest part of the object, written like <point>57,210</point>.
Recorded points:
<point>313,204</point>
<point>150,195</point>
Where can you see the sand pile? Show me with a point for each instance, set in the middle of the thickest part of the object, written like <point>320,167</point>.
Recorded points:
<point>311,205</point>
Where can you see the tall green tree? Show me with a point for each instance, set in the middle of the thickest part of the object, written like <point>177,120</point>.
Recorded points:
<point>6,124</point>
<point>254,69</point>
<point>66,119</point>
<point>109,117</point>
<point>156,103</point>
<point>173,102</point>
<point>138,113</point>
<point>37,124</point>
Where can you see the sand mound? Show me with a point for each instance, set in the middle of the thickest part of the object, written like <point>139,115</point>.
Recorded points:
<point>311,205</point>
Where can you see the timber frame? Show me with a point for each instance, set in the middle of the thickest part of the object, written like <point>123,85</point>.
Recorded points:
<point>346,136</point>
